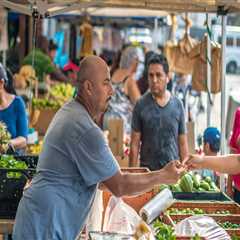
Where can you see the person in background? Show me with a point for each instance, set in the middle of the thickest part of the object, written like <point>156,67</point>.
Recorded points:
<point>233,187</point>
<point>143,81</point>
<point>211,147</point>
<point>57,74</point>
<point>13,113</point>
<point>126,92</point>
<point>158,123</point>
<point>71,71</point>
<point>74,160</point>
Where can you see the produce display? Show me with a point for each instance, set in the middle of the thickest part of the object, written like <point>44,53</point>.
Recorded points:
<point>9,162</point>
<point>190,182</point>
<point>62,92</point>
<point>58,95</point>
<point>229,225</point>
<point>194,211</point>
<point>5,137</point>
<point>40,103</point>
<point>166,232</point>
<point>163,231</point>
<point>35,149</point>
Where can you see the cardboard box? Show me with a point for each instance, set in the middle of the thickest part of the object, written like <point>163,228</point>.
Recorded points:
<point>191,137</point>
<point>115,137</point>
<point>44,119</point>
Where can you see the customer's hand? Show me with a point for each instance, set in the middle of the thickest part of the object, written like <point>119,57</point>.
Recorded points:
<point>174,170</point>
<point>194,162</point>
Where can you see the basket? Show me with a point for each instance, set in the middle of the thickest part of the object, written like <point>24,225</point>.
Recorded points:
<point>11,189</point>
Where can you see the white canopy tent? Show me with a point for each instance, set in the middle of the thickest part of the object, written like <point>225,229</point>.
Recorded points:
<point>55,7</point>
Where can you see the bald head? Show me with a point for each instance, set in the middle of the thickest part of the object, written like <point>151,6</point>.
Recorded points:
<point>90,68</point>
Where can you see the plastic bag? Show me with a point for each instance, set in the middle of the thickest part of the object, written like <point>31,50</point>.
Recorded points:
<point>203,226</point>
<point>121,218</point>
<point>94,222</point>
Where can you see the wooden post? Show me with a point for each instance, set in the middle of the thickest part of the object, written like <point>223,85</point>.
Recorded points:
<point>115,137</point>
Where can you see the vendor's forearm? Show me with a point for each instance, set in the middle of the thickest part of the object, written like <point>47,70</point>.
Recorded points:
<point>225,164</point>
<point>19,142</point>
<point>134,184</point>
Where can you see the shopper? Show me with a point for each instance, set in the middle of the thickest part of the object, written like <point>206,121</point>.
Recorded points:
<point>13,113</point>
<point>224,164</point>
<point>211,147</point>
<point>75,158</point>
<point>158,123</point>
<point>233,187</point>
<point>126,91</point>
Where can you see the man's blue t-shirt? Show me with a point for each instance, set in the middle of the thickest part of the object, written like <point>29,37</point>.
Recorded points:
<point>74,159</point>
<point>15,118</point>
<point>160,128</point>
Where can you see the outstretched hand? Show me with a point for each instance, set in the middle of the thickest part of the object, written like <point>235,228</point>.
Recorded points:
<point>194,161</point>
<point>174,170</point>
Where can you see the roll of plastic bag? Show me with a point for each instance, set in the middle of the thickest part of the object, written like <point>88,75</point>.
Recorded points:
<point>204,226</point>
<point>157,205</point>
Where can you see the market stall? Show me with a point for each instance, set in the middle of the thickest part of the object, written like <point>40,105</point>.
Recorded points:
<point>172,216</point>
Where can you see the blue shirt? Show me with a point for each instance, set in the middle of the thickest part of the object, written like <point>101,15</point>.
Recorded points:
<point>15,118</point>
<point>160,128</point>
<point>74,159</point>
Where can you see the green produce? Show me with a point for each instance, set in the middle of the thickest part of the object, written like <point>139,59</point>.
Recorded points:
<point>224,212</point>
<point>176,188</point>
<point>196,180</point>
<point>234,237</point>
<point>163,186</point>
<point>5,137</point>
<point>194,183</point>
<point>42,63</point>
<point>9,162</point>
<point>176,211</point>
<point>208,179</point>
<point>204,185</point>
<point>186,183</point>
<point>163,231</point>
<point>40,103</point>
<point>229,225</point>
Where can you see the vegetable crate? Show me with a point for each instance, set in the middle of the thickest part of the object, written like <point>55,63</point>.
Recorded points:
<point>202,196</point>
<point>231,223</point>
<point>11,188</point>
<point>208,207</point>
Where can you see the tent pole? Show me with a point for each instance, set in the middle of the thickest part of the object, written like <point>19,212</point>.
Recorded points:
<point>223,95</point>
<point>209,69</point>
<point>155,40</point>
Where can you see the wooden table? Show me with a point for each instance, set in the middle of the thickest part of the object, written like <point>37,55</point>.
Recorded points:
<point>6,227</point>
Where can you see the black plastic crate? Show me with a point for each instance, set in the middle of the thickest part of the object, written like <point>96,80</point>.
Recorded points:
<point>11,189</point>
<point>202,196</point>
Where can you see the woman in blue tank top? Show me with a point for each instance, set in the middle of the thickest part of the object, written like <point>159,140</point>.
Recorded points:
<point>13,113</point>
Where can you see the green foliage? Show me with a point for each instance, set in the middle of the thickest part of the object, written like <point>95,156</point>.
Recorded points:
<point>42,63</point>
<point>9,162</point>
<point>163,231</point>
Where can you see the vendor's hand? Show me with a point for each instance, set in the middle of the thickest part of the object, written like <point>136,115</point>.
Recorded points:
<point>194,162</point>
<point>174,171</point>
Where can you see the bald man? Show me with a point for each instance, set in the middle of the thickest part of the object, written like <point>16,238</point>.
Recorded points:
<point>75,158</point>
